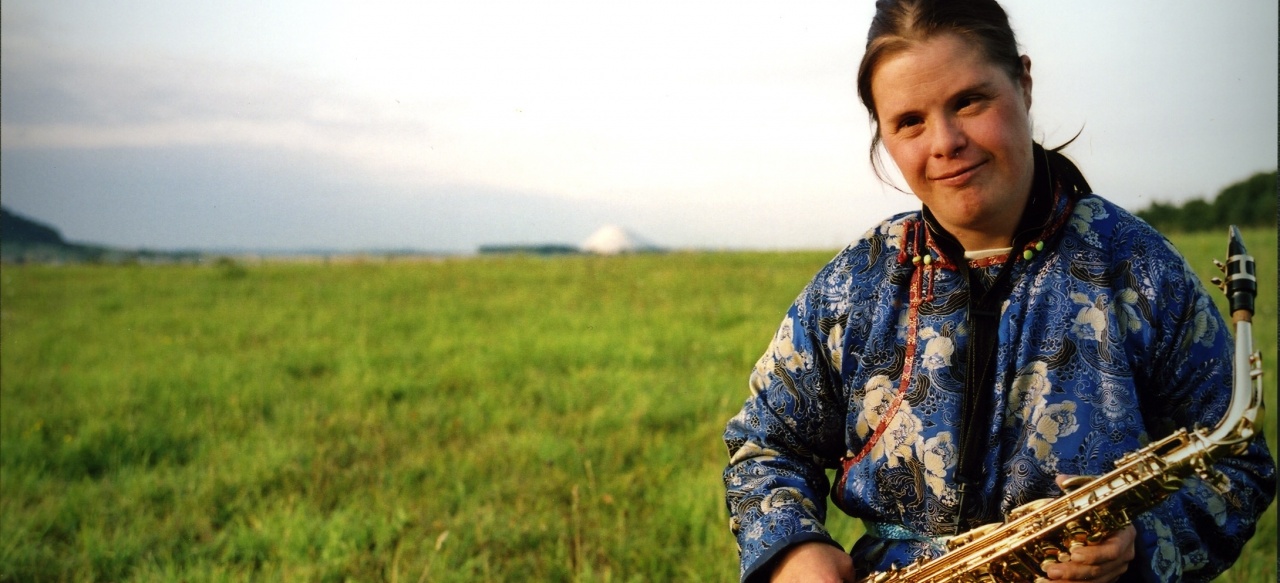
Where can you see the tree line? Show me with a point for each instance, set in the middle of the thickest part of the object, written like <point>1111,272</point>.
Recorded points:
<point>1248,203</point>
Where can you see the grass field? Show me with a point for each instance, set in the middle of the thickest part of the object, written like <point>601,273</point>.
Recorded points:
<point>486,419</point>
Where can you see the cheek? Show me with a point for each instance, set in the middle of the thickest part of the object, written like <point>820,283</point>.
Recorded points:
<point>1010,131</point>
<point>909,156</point>
<point>1008,140</point>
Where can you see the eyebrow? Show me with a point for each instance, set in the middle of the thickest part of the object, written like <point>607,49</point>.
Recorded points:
<point>980,87</point>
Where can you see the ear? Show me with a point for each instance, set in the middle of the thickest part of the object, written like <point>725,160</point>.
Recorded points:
<point>1025,81</point>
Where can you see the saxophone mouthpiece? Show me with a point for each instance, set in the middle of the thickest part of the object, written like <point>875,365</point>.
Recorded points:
<point>1242,281</point>
<point>1235,243</point>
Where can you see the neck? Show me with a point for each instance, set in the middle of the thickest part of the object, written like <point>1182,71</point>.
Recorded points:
<point>998,234</point>
<point>1029,217</point>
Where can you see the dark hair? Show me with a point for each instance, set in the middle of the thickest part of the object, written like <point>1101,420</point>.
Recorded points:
<point>900,23</point>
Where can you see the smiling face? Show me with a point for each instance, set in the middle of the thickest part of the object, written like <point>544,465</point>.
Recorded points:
<point>959,129</point>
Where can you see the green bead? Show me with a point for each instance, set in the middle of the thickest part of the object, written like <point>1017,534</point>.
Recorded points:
<point>1028,254</point>
<point>928,259</point>
<point>916,259</point>
<point>1039,245</point>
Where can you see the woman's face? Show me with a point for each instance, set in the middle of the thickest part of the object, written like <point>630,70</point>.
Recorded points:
<point>958,128</point>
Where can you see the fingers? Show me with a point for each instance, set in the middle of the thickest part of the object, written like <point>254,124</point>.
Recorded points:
<point>1099,563</point>
<point>1118,546</point>
<point>1087,575</point>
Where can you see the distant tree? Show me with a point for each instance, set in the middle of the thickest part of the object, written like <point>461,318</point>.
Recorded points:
<point>1251,202</point>
<point>1197,215</point>
<point>1161,215</point>
<point>535,249</point>
<point>1248,203</point>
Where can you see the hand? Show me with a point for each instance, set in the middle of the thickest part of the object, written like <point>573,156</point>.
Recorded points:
<point>1098,563</point>
<point>813,562</point>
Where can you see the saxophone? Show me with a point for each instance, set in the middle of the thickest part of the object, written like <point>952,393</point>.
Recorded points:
<point>1093,507</point>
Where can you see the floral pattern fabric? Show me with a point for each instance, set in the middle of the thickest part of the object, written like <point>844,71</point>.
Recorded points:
<point>1107,341</point>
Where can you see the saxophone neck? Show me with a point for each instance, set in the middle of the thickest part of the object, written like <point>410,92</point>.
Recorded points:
<point>1241,286</point>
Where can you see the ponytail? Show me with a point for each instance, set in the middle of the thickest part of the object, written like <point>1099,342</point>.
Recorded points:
<point>1064,171</point>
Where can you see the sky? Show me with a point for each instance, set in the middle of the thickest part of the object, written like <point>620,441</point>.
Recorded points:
<point>442,126</point>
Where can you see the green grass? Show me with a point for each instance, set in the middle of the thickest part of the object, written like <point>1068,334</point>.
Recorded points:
<point>487,419</point>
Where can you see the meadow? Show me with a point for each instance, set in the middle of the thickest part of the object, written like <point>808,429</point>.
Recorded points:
<point>481,419</point>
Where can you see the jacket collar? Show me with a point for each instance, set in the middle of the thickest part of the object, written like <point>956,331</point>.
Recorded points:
<point>1039,219</point>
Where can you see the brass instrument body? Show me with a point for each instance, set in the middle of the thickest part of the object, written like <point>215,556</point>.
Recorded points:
<point>1092,508</point>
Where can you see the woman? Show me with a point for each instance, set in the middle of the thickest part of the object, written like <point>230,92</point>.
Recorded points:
<point>957,362</point>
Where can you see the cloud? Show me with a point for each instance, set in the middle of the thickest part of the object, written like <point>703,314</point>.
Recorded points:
<point>699,123</point>
<point>498,103</point>
<point>58,97</point>
<point>147,149</point>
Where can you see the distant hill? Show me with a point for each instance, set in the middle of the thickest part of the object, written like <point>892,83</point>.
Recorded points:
<point>607,240</point>
<point>614,239</point>
<point>24,240</point>
<point>16,229</point>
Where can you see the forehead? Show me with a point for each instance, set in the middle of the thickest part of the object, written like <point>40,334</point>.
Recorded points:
<point>929,70</point>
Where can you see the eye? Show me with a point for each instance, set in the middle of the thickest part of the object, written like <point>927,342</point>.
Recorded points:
<point>968,101</point>
<point>909,121</point>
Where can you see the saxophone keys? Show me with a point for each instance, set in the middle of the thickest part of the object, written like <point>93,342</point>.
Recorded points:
<point>1215,480</point>
<point>1029,508</point>
<point>1075,482</point>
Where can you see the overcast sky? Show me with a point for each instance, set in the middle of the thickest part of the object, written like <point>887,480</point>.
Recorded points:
<point>446,125</point>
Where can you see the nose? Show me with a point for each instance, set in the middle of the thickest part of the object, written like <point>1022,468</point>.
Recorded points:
<point>948,139</point>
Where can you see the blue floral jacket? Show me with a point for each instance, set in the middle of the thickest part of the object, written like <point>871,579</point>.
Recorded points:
<point>1107,341</point>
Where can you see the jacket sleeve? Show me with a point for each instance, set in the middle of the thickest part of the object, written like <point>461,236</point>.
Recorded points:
<point>1200,531</point>
<point>789,431</point>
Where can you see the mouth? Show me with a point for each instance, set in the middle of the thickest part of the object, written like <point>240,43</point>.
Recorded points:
<point>959,176</point>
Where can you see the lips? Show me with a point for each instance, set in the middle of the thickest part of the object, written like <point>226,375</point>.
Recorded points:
<point>958,176</point>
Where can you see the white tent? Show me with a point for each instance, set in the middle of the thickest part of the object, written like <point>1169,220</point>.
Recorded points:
<point>612,240</point>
